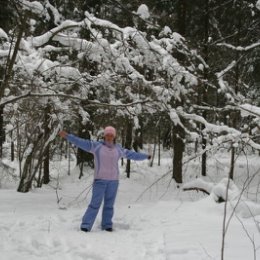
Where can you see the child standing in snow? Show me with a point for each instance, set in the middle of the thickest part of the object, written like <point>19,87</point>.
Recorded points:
<point>106,156</point>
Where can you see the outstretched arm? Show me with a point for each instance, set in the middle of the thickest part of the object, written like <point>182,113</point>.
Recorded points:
<point>84,144</point>
<point>132,155</point>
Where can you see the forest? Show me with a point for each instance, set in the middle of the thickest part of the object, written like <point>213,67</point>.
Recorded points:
<point>178,79</point>
<point>189,69</point>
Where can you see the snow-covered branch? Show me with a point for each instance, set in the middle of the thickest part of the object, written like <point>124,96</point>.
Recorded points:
<point>198,185</point>
<point>248,109</point>
<point>87,102</point>
<point>216,109</point>
<point>223,85</point>
<point>213,128</point>
<point>240,48</point>
<point>45,38</point>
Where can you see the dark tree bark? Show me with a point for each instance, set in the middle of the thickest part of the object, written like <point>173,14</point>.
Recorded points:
<point>2,132</point>
<point>46,166</point>
<point>204,158</point>
<point>159,145</point>
<point>178,135</point>
<point>153,155</point>
<point>181,19</point>
<point>82,156</point>
<point>235,116</point>
<point>123,143</point>
<point>46,160</point>
<point>167,139</point>
<point>7,18</point>
<point>6,79</point>
<point>12,147</point>
<point>204,94</point>
<point>128,144</point>
<point>39,179</point>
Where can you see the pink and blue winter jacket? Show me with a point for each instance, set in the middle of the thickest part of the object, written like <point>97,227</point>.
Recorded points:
<point>106,156</point>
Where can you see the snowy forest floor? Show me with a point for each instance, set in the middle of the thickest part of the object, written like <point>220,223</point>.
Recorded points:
<point>164,223</point>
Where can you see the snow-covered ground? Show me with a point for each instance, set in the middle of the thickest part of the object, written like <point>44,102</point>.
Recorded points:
<point>164,223</point>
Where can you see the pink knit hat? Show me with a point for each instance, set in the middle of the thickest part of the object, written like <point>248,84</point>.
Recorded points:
<point>110,130</point>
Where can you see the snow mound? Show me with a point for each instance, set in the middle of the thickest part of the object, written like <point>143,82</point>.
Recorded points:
<point>143,11</point>
<point>218,192</point>
<point>200,184</point>
<point>242,206</point>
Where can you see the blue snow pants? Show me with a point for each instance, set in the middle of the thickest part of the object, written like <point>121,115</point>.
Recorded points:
<point>102,190</point>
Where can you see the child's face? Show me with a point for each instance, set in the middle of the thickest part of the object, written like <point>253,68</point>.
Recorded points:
<point>109,138</point>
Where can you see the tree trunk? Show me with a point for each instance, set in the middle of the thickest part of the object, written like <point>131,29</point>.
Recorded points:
<point>68,156</point>
<point>128,145</point>
<point>178,135</point>
<point>81,170</point>
<point>46,166</point>
<point>232,163</point>
<point>7,74</point>
<point>181,18</point>
<point>2,132</point>
<point>153,155</point>
<point>235,117</point>
<point>204,158</point>
<point>7,15</point>
<point>25,183</point>
<point>12,147</point>
<point>159,146</point>
<point>204,94</point>
<point>123,143</point>
<point>39,180</point>
<point>82,156</point>
<point>46,160</point>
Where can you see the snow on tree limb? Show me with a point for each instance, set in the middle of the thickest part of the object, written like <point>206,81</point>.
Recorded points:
<point>125,55</point>
<point>41,40</point>
<point>248,109</point>
<point>91,19</point>
<point>223,86</point>
<point>225,133</point>
<point>12,100</point>
<point>34,6</point>
<point>153,51</point>
<point>198,185</point>
<point>55,12</point>
<point>213,128</point>
<point>240,48</point>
